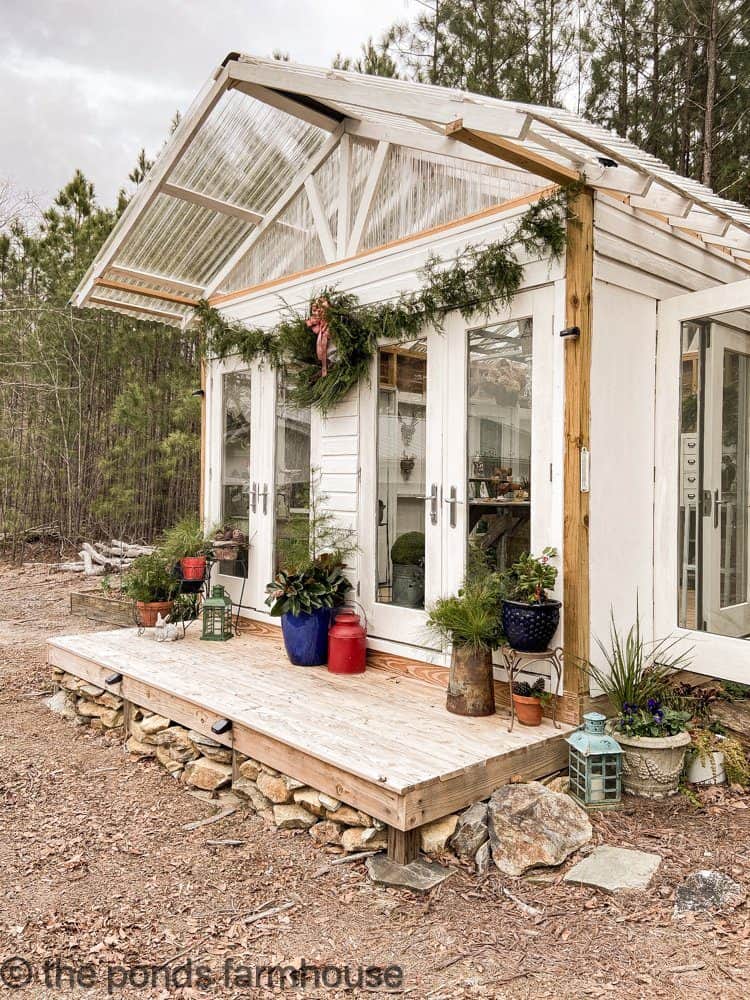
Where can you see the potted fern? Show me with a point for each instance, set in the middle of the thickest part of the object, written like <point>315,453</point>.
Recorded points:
<point>530,616</point>
<point>470,623</point>
<point>149,582</point>
<point>187,544</point>
<point>528,700</point>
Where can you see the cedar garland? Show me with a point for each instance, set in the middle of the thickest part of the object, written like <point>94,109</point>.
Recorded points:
<point>472,283</point>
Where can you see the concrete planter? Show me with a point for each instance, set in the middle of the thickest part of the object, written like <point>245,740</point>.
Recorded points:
<point>651,765</point>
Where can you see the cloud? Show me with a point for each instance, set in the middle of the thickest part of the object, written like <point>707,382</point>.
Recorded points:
<point>87,83</point>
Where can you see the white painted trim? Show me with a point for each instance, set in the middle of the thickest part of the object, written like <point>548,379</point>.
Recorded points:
<point>214,204</point>
<point>319,217</point>
<point>158,279</point>
<point>343,224</point>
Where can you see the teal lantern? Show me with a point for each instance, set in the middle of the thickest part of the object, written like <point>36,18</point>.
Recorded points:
<point>217,616</point>
<point>595,764</point>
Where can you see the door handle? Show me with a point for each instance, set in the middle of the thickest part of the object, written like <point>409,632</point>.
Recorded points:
<point>432,496</point>
<point>254,498</point>
<point>452,500</point>
<point>717,503</point>
<point>264,495</point>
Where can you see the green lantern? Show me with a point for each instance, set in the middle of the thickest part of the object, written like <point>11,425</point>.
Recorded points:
<point>595,764</point>
<point>217,616</point>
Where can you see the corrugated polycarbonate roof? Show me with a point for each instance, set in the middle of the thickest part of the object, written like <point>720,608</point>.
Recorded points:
<point>260,129</point>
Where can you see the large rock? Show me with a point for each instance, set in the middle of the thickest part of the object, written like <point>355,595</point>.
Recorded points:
<point>275,787</point>
<point>111,718</point>
<point>708,890</point>
<point>326,832</point>
<point>207,774</point>
<point>249,769</point>
<point>347,816</point>
<point>135,746</point>
<point>210,748</point>
<point>615,869</point>
<point>530,826</point>
<point>150,725</point>
<point>471,831</point>
<point>310,800</point>
<point>62,703</point>
<point>360,838</point>
<point>434,836</point>
<point>258,800</point>
<point>180,745</point>
<point>293,817</point>
<point>419,876</point>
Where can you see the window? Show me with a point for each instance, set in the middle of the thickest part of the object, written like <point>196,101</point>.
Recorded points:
<point>292,478</point>
<point>235,471</point>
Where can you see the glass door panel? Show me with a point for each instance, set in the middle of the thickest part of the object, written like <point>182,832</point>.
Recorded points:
<point>401,474</point>
<point>499,444</point>
<point>291,481</point>
<point>236,394</point>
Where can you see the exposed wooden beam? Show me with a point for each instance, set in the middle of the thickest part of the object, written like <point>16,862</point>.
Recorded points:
<point>343,226</point>
<point>150,293</point>
<point>380,94</point>
<point>579,270</point>
<point>309,111</point>
<point>214,204</point>
<point>276,209</point>
<point>97,300</point>
<point>368,195</point>
<point>424,142</point>
<point>151,186</point>
<point>321,222</point>
<point>514,153</point>
<point>700,222</point>
<point>617,180</point>
<point>178,284</point>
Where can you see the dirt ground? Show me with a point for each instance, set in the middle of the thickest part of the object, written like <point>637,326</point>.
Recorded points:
<point>96,872</point>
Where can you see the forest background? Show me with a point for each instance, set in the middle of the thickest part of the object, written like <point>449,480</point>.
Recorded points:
<point>99,430</point>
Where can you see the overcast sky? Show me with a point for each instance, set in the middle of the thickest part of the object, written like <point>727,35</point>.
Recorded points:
<point>87,83</point>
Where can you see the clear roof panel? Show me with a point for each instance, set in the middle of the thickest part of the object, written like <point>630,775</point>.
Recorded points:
<point>247,152</point>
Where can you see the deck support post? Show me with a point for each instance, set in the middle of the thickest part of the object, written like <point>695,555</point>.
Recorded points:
<point>579,272</point>
<point>403,845</point>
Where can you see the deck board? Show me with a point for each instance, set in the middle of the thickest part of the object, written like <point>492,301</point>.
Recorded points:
<point>384,729</point>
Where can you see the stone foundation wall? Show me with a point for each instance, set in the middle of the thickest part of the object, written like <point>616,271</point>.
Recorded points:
<point>202,763</point>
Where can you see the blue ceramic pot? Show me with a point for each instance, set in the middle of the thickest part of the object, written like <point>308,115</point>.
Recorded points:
<point>529,627</point>
<point>306,637</point>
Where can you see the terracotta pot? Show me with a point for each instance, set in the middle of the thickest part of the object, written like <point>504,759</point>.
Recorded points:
<point>651,765</point>
<point>471,688</point>
<point>149,611</point>
<point>193,567</point>
<point>528,710</point>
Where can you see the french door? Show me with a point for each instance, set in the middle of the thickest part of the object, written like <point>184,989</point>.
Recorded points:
<point>259,478</point>
<point>702,514</point>
<point>447,460</point>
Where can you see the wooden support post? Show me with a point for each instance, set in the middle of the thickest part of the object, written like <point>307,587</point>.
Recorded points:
<point>403,845</point>
<point>576,616</point>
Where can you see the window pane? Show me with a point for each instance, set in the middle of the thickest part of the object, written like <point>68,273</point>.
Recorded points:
<point>292,509</point>
<point>235,471</point>
<point>499,444</point>
<point>401,454</point>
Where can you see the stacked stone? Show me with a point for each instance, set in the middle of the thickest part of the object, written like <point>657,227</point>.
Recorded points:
<point>86,704</point>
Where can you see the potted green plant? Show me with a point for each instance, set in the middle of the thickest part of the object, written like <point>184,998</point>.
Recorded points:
<point>648,722</point>
<point>407,558</point>
<point>530,617</point>
<point>187,544</point>
<point>304,601</point>
<point>528,700</point>
<point>470,622</point>
<point>311,582</point>
<point>149,582</point>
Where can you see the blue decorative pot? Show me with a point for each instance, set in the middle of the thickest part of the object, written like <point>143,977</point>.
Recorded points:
<point>529,627</point>
<point>306,637</point>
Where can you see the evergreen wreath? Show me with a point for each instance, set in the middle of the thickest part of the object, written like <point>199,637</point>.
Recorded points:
<point>472,283</point>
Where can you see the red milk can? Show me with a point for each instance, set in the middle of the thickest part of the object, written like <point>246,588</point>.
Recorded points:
<point>347,643</point>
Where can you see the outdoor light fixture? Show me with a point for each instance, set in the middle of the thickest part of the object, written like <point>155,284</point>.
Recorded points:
<point>221,726</point>
<point>217,616</point>
<point>605,161</point>
<point>595,764</point>
<point>571,331</point>
<point>198,392</point>
<point>113,679</point>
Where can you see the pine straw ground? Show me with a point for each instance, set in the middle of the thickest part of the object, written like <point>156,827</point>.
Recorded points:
<point>96,868</point>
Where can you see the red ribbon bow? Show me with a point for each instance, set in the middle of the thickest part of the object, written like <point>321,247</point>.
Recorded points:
<point>318,323</point>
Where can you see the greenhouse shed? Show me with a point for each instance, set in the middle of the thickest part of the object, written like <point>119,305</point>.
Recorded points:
<point>604,411</point>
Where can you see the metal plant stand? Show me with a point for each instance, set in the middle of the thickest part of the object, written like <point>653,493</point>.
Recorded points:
<point>516,661</point>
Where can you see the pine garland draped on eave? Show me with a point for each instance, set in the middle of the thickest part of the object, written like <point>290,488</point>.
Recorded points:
<point>474,283</point>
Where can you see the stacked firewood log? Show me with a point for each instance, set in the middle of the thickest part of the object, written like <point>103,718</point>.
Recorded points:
<point>104,557</point>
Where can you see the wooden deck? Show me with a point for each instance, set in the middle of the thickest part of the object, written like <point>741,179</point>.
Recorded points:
<point>381,741</point>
